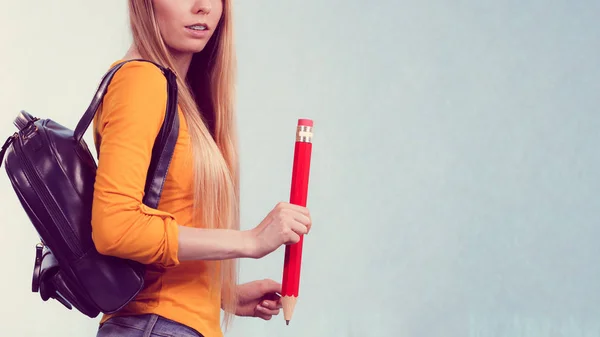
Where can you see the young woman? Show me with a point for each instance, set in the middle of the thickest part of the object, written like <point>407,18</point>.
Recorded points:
<point>191,243</point>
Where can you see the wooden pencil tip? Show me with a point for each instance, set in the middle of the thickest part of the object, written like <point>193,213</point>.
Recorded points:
<point>287,322</point>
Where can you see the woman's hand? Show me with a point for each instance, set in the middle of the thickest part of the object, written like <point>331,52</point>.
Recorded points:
<point>259,299</point>
<point>282,226</point>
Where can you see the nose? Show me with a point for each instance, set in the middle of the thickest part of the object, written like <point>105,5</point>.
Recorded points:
<point>202,7</point>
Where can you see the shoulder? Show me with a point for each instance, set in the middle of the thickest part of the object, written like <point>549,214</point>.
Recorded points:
<point>138,77</point>
<point>138,90</point>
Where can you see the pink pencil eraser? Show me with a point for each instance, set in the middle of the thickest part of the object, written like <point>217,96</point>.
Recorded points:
<point>305,122</point>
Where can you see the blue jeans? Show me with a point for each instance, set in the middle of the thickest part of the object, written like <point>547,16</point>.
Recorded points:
<point>148,325</point>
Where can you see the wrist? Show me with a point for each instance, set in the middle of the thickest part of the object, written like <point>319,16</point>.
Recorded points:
<point>248,244</point>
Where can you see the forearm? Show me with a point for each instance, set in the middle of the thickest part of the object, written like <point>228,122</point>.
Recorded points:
<point>213,244</point>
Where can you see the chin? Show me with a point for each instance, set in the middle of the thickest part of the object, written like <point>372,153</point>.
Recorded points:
<point>190,48</point>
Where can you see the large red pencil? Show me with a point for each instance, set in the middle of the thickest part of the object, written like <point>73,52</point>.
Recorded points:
<point>298,196</point>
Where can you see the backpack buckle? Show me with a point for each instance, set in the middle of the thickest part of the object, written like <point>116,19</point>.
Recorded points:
<point>37,268</point>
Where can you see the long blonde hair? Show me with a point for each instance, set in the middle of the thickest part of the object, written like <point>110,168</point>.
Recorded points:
<point>207,97</point>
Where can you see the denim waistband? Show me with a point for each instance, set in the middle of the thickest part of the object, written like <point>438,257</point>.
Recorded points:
<point>153,325</point>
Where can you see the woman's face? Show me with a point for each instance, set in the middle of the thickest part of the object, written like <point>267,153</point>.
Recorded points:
<point>187,25</point>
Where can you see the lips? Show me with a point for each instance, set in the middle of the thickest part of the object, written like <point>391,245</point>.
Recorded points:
<point>198,27</point>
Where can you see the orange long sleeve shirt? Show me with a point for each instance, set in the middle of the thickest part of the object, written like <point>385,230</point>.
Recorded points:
<point>126,126</point>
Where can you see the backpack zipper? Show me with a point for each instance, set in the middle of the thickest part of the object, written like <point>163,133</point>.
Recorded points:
<point>62,224</point>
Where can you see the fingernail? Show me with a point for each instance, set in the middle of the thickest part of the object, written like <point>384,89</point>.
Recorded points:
<point>265,304</point>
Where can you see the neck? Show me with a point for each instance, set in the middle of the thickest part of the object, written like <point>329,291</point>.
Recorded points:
<point>182,63</point>
<point>182,60</point>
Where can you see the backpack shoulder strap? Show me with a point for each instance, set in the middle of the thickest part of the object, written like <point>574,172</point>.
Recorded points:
<point>164,145</point>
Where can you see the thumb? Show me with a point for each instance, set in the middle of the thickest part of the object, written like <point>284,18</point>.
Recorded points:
<point>270,286</point>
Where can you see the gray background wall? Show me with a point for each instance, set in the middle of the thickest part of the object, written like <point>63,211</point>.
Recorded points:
<point>455,170</point>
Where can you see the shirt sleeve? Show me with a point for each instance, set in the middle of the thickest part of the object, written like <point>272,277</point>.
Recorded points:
<point>128,123</point>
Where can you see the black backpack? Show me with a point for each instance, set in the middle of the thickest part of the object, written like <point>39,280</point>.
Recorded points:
<point>52,172</point>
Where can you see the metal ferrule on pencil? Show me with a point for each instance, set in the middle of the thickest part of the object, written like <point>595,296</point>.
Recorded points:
<point>304,134</point>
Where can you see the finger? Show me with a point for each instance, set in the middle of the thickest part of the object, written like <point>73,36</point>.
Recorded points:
<point>265,317</point>
<point>274,297</point>
<point>298,228</point>
<point>289,217</point>
<point>300,217</point>
<point>265,311</point>
<point>292,238</point>
<point>260,313</point>
<point>303,219</point>
<point>297,208</point>
<point>269,304</point>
